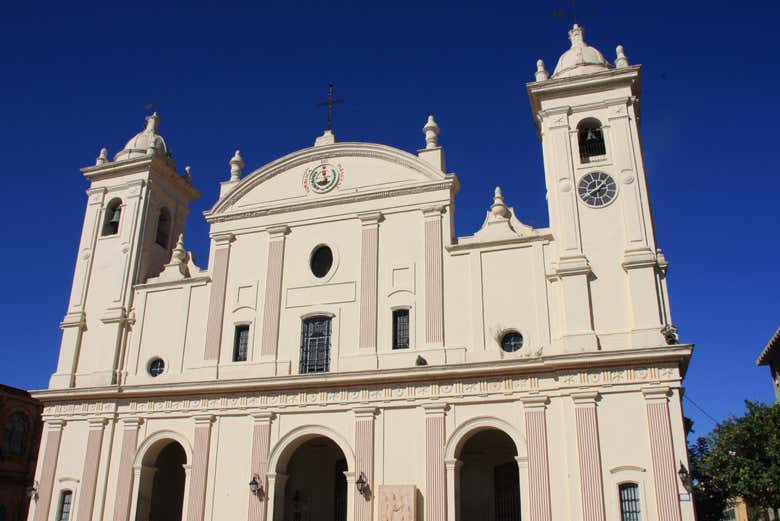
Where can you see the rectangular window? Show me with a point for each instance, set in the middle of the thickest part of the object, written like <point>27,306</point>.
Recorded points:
<point>65,502</point>
<point>241,343</point>
<point>401,329</point>
<point>629,502</point>
<point>315,345</point>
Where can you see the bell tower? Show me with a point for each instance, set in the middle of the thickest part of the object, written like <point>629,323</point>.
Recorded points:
<point>609,275</point>
<point>137,205</point>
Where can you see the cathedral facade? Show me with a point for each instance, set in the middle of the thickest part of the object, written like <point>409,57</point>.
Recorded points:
<point>345,356</point>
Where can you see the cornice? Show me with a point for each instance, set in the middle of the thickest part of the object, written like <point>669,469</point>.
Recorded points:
<point>543,235</point>
<point>141,165</point>
<point>676,354</point>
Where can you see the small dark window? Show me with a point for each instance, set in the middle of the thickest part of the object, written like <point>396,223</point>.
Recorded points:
<point>3,515</point>
<point>15,435</point>
<point>629,502</point>
<point>315,345</point>
<point>241,343</point>
<point>511,341</point>
<point>163,228</point>
<point>321,261</point>
<point>590,136</point>
<point>156,367</point>
<point>66,501</point>
<point>112,217</point>
<point>401,329</point>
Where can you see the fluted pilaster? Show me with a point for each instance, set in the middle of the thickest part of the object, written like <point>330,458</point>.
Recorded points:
<point>273,292</point>
<point>217,298</point>
<point>48,468</point>
<point>261,447</point>
<point>91,466</point>
<point>369,260</point>
<point>434,278</point>
<point>200,467</point>
<point>589,453</point>
<point>662,453</point>
<point>538,463</point>
<point>124,486</point>
<point>435,484</point>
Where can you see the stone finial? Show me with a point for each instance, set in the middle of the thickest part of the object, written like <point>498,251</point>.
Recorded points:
<point>188,174</point>
<point>327,138</point>
<point>102,159</point>
<point>236,166</point>
<point>621,60</point>
<point>498,209</point>
<point>577,35</point>
<point>541,72</point>
<point>431,131</point>
<point>152,123</point>
<point>179,254</point>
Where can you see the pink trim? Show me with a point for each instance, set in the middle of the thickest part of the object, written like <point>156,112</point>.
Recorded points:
<point>662,453</point>
<point>364,462</point>
<point>200,467</point>
<point>261,447</point>
<point>538,465</point>
<point>217,302</point>
<point>273,298</point>
<point>435,485</point>
<point>89,475</point>
<point>48,469</point>
<point>589,452</point>
<point>434,300</point>
<point>368,286</point>
<point>124,486</point>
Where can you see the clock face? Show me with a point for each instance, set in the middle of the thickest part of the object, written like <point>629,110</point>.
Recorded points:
<point>322,178</point>
<point>597,189</point>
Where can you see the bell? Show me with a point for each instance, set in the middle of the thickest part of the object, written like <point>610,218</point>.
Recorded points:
<point>591,136</point>
<point>115,216</point>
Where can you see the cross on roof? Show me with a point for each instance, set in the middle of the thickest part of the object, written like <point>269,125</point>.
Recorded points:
<point>330,104</point>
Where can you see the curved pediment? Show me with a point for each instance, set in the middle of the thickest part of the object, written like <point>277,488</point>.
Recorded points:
<point>357,168</point>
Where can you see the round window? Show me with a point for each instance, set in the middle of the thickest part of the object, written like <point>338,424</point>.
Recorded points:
<point>156,367</point>
<point>321,261</point>
<point>511,341</point>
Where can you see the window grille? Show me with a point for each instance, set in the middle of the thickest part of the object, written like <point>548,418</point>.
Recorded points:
<point>315,345</point>
<point>241,344</point>
<point>65,503</point>
<point>629,502</point>
<point>590,137</point>
<point>401,329</point>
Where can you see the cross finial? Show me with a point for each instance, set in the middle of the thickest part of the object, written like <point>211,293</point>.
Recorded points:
<point>331,101</point>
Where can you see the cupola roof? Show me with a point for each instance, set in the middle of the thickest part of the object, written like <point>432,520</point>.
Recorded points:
<point>147,142</point>
<point>581,58</point>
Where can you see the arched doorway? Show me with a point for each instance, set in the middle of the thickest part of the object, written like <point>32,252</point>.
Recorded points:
<point>161,486</point>
<point>489,478</point>
<point>316,484</point>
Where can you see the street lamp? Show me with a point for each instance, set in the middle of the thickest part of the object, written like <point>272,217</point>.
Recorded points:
<point>362,484</point>
<point>255,487</point>
<point>685,477</point>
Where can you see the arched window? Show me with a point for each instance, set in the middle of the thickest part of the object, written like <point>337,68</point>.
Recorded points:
<point>315,345</point>
<point>629,502</point>
<point>163,227</point>
<point>112,217</point>
<point>66,502</point>
<point>590,137</point>
<point>15,435</point>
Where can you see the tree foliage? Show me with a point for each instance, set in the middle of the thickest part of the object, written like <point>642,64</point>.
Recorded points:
<point>741,458</point>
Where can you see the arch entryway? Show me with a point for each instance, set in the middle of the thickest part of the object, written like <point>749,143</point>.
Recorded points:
<point>486,470</point>
<point>311,477</point>
<point>161,479</point>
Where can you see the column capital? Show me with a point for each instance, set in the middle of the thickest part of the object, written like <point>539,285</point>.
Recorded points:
<point>538,402</point>
<point>54,424</point>
<point>370,218</point>
<point>222,240</point>
<point>589,398</point>
<point>453,464</point>
<point>263,417</point>
<point>131,423</point>
<point>433,212</point>
<point>204,421</point>
<point>97,423</point>
<point>278,232</point>
<point>365,413</point>
<point>658,393</point>
<point>435,409</point>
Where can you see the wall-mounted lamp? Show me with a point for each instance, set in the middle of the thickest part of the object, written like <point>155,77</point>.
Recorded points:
<point>255,487</point>
<point>32,491</point>
<point>685,477</point>
<point>362,485</point>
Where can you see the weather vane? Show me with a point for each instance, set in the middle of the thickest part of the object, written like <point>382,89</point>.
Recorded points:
<point>331,101</point>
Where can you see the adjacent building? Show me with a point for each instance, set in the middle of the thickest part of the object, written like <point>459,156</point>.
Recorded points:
<point>344,355</point>
<point>20,419</point>
<point>770,356</point>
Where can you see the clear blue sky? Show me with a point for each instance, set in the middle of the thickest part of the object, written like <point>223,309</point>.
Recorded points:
<point>224,76</point>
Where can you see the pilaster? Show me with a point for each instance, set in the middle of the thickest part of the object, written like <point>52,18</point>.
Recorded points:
<point>91,465</point>
<point>369,268</point>
<point>216,315</point>
<point>535,410</point>
<point>196,502</point>
<point>124,486</point>
<point>589,453</point>
<point>435,485</point>
<point>434,278</point>
<point>51,453</point>
<point>273,293</point>
<point>261,447</point>
<point>364,460</point>
<point>662,453</point>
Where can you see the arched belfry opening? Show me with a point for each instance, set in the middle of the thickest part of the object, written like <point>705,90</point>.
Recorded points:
<point>489,478</point>
<point>313,484</point>
<point>161,485</point>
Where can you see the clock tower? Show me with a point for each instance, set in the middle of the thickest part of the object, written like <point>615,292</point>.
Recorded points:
<point>606,267</point>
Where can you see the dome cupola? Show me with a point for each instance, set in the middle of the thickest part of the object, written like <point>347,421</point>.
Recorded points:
<point>145,143</point>
<point>581,58</point>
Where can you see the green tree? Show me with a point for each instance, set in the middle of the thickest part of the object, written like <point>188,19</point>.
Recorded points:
<point>741,457</point>
<point>709,500</point>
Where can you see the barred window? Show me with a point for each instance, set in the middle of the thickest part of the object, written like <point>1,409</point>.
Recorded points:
<point>66,499</point>
<point>315,345</point>
<point>241,343</point>
<point>401,329</point>
<point>629,502</point>
<point>590,137</point>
